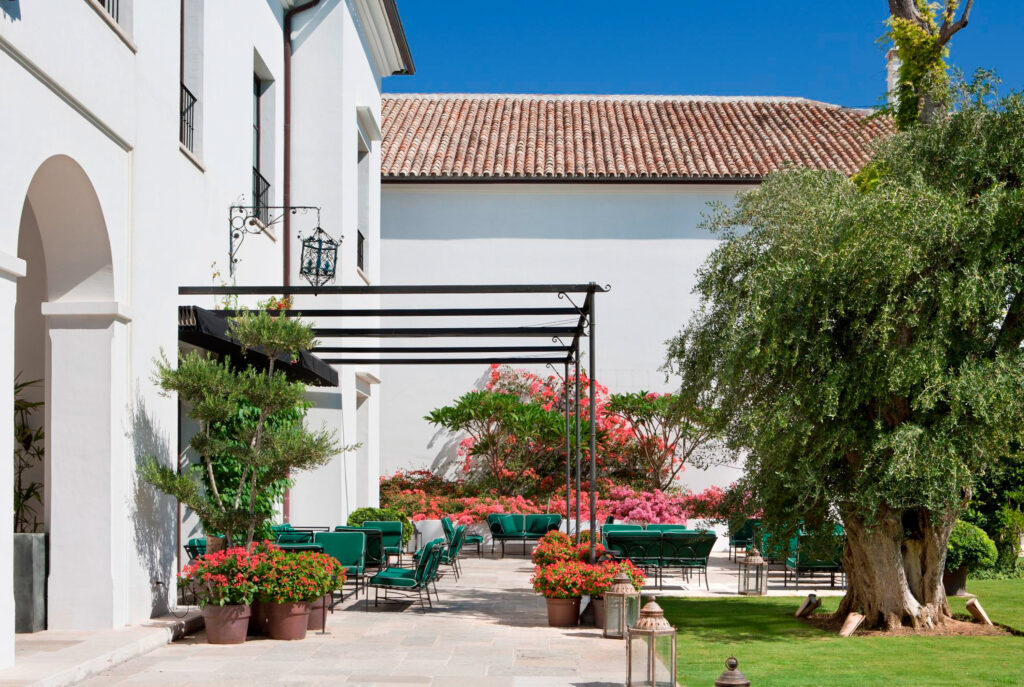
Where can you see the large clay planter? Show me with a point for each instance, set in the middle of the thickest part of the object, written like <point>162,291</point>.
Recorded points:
<point>226,624</point>
<point>215,544</point>
<point>288,620</point>
<point>563,612</point>
<point>955,581</point>
<point>317,611</point>
<point>258,618</point>
<point>598,603</point>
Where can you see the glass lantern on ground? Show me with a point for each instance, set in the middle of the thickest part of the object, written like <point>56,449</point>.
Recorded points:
<point>651,650</point>
<point>319,258</point>
<point>621,606</point>
<point>753,577</point>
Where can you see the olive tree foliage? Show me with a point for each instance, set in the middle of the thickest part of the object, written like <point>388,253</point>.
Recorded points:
<point>862,342</point>
<point>267,452</point>
<point>920,31</point>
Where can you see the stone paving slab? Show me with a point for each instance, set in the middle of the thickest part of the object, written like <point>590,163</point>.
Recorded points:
<point>57,658</point>
<point>487,629</point>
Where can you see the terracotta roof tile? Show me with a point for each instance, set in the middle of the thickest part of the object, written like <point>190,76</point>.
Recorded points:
<point>454,136</point>
<point>618,137</point>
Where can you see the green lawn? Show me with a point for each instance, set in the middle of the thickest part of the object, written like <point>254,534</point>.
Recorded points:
<point>776,650</point>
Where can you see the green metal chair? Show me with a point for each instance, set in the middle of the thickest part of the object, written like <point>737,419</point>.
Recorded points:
<point>405,581</point>
<point>195,547</point>
<point>349,549</point>
<point>374,539</point>
<point>743,538</point>
<point>391,537</point>
<point>450,553</point>
<point>471,539</point>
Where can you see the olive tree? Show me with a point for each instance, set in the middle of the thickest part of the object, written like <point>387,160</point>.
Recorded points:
<point>862,340</point>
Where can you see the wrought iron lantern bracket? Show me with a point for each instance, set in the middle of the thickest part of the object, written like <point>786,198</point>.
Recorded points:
<point>246,219</point>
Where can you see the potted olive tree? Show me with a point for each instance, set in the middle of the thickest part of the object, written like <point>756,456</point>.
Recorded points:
<point>265,452</point>
<point>969,548</point>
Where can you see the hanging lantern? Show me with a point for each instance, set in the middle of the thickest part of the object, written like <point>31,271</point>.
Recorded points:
<point>651,650</point>
<point>621,606</point>
<point>753,578</point>
<point>319,258</point>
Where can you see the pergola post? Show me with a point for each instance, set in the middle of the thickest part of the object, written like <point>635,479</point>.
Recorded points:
<point>579,432</point>
<point>568,447</point>
<point>593,423</point>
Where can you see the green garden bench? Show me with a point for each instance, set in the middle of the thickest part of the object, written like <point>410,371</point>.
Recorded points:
<point>639,546</point>
<point>804,561</point>
<point>688,550</point>
<point>518,527</point>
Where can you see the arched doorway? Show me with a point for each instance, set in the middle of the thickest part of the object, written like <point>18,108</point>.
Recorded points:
<point>69,332</point>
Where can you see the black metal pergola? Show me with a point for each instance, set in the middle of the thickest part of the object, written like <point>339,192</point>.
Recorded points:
<point>575,321</point>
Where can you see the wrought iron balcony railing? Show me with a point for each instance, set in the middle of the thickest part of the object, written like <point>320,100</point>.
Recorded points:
<point>113,8</point>
<point>260,197</point>
<point>186,133</point>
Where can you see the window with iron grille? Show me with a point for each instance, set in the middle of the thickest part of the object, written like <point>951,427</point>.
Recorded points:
<point>260,186</point>
<point>113,8</point>
<point>190,72</point>
<point>187,127</point>
<point>360,251</point>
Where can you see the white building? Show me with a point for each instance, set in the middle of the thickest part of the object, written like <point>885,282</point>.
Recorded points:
<point>130,127</point>
<point>572,189</point>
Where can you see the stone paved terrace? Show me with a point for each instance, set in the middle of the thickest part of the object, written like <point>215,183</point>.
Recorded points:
<point>489,629</point>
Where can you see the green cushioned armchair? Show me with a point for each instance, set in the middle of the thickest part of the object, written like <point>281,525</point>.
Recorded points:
<point>349,549</point>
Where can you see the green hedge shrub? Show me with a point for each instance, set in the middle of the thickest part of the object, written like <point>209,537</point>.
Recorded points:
<point>361,515</point>
<point>970,546</point>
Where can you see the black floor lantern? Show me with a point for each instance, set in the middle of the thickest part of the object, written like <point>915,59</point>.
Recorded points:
<point>319,258</point>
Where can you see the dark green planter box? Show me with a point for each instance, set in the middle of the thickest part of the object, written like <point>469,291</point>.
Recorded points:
<point>29,582</point>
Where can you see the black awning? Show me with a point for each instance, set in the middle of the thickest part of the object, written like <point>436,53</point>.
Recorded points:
<point>208,329</point>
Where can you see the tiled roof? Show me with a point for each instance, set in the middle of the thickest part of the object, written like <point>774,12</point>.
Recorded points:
<point>462,137</point>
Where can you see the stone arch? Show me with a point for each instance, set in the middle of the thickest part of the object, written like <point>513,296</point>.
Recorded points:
<point>68,292</point>
<point>73,230</point>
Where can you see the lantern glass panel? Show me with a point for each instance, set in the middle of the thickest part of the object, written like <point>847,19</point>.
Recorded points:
<point>639,659</point>
<point>613,615</point>
<point>664,660</point>
<point>632,610</point>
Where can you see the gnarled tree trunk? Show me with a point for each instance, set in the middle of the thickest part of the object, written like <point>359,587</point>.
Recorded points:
<point>894,569</point>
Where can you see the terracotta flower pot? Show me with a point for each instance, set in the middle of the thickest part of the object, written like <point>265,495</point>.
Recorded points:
<point>317,612</point>
<point>258,619</point>
<point>563,612</point>
<point>955,581</point>
<point>288,620</point>
<point>598,603</point>
<point>226,624</point>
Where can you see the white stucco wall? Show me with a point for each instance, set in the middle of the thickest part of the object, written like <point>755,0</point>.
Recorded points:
<point>325,137</point>
<point>642,240</point>
<point>77,90</point>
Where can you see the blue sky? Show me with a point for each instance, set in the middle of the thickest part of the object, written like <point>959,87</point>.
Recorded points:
<point>820,49</point>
